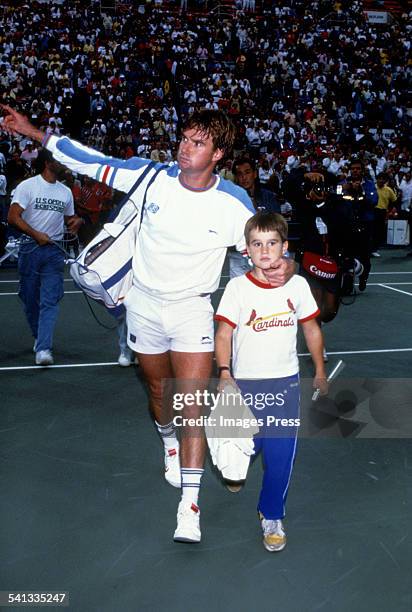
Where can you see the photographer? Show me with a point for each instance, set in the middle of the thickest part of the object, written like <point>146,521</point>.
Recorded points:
<point>325,254</point>
<point>360,191</point>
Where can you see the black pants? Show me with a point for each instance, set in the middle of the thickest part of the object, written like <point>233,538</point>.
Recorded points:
<point>363,247</point>
<point>379,229</point>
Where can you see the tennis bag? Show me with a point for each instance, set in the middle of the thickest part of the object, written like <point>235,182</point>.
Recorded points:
<point>103,270</point>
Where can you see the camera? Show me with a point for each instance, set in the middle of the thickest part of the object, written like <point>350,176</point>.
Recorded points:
<point>319,190</point>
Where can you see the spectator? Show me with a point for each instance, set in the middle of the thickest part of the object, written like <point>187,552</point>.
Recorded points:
<point>40,208</point>
<point>386,198</point>
<point>405,187</point>
<point>29,153</point>
<point>4,204</point>
<point>360,191</point>
<point>246,175</point>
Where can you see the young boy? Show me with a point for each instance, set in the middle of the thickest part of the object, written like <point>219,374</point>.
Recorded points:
<point>260,322</point>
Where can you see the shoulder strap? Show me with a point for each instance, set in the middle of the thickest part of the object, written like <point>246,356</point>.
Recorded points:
<point>146,190</point>
<point>135,185</point>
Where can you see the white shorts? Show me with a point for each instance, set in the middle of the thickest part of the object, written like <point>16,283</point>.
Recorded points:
<point>156,326</point>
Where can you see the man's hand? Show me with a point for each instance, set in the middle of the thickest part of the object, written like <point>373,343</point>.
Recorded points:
<point>74,223</point>
<point>226,382</point>
<point>352,186</point>
<point>321,383</point>
<point>16,123</point>
<point>41,238</point>
<point>281,272</point>
<point>314,177</point>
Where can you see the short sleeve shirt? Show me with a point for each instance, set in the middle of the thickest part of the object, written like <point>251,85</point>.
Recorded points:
<point>265,321</point>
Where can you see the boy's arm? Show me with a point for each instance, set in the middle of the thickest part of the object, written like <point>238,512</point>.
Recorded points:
<point>223,353</point>
<point>314,341</point>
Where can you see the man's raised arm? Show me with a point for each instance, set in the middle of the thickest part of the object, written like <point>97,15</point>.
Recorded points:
<point>118,173</point>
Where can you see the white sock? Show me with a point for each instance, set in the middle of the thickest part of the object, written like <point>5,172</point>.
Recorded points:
<point>191,478</point>
<point>168,435</point>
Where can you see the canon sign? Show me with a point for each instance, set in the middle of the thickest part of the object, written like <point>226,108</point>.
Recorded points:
<point>320,273</point>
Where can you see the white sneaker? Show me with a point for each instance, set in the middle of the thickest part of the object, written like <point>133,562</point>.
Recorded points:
<point>188,527</point>
<point>124,360</point>
<point>274,536</point>
<point>44,358</point>
<point>325,356</point>
<point>172,467</point>
<point>375,254</point>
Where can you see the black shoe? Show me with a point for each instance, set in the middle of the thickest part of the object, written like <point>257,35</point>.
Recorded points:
<point>362,284</point>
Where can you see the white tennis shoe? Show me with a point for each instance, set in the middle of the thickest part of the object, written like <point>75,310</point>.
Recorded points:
<point>172,467</point>
<point>44,358</point>
<point>274,536</point>
<point>188,523</point>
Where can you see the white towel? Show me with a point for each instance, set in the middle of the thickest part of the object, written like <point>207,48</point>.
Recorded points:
<point>231,453</point>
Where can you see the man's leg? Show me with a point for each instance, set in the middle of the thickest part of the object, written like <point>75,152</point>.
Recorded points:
<point>192,372</point>
<point>157,370</point>
<point>29,290</point>
<point>51,292</point>
<point>363,253</point>
<point>126,354</point>
<point>186,369</point>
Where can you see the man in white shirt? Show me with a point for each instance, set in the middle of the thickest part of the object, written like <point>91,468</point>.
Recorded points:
<point>191,216</point>
<point>406,191</point>
<point>40,208</point>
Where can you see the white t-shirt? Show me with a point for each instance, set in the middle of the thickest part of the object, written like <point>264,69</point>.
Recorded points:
<point>265,321</point>
<point>184,234</point>
<point>3,185</point>
<point>45,205</point>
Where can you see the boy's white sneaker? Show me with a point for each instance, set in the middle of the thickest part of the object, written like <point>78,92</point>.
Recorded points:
<point>188,523</point>
<point>274,536</point>
<point>44,358</point>
<point>172,467</point>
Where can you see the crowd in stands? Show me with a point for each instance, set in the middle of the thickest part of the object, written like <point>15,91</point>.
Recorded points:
<point>306,82</point>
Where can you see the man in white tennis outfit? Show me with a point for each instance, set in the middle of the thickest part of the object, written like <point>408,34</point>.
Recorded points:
<point>191,216</point>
